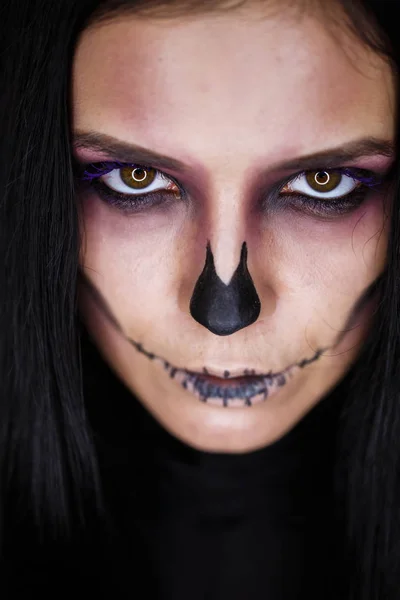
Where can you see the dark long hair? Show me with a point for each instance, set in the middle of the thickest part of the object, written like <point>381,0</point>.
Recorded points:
<point>49,473</point>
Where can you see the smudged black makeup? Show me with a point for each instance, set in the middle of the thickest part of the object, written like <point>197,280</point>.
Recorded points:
<point>225,308</point>
<point>351,188</point>
<point>129,202</point>
<point>322,204</point>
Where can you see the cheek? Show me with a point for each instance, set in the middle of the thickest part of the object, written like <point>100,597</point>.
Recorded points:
<point>319,269</point>
<point>132,259</point>
<point>146,265</point>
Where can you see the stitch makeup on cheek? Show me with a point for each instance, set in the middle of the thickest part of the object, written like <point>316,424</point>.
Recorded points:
<point>226,389</point>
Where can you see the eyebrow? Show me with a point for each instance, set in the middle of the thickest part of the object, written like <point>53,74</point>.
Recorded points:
<point>350,151</point>
<point>131,153</point>
<point>125,152</point>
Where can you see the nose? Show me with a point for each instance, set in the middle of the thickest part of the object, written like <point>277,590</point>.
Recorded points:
<point>225,308</point>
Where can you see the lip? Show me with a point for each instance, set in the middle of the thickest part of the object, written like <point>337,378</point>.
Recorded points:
<point>229,372</point>
<point>192,380</point>
<point>228,391</point>
<point>236,388</point>
<point>227,381</point>
<point>245,390</point>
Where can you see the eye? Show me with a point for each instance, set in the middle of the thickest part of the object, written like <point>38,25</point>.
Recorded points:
<point>322,184</point>
<point>130,179</point>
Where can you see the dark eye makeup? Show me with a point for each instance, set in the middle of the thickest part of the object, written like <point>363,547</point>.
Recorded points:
<point>362,180</point>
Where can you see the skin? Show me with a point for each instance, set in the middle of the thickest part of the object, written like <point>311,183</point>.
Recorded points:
<point>232,97</point>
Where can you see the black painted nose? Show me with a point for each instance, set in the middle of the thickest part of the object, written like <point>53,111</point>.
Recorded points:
<point>221,308</point>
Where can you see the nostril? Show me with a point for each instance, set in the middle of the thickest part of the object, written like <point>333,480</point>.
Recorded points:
<point>225,308</point>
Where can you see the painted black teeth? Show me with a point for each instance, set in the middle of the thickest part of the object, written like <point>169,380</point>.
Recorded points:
<point>249,372</point>
<point>281,380</point>
<point>245,391</point>
<point>206,389</point>
<point>306,361</point>
<point>185,377</point>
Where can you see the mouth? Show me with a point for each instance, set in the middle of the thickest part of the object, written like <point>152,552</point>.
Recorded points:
<point>246,389</point>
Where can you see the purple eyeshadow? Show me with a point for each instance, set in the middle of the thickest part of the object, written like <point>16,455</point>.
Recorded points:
<point>133,202</point>
<point>367,179</point>
<point>102,169</point>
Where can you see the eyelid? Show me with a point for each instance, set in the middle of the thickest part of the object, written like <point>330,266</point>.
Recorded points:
<point>108,166</point>
<point>365,177</point>
<point>105,167</point>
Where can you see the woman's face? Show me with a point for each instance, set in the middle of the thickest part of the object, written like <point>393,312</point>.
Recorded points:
<point>251,130</point>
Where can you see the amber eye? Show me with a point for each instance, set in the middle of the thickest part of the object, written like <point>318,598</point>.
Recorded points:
<point>323,181</point>
<point>137,178</point>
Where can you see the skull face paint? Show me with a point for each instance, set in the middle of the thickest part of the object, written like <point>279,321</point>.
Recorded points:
<point>249,388</point>
<point>231,158</point>
<point>225,308</point>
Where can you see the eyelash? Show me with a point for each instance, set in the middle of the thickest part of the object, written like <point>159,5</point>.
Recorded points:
<point>130,203</point>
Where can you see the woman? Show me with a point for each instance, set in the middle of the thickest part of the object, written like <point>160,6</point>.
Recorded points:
<point>200,305</point>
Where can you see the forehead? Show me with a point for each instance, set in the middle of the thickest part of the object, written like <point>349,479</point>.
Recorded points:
<point>250,82</point>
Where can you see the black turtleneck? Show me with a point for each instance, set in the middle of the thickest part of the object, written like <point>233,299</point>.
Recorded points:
<point>214,526</point>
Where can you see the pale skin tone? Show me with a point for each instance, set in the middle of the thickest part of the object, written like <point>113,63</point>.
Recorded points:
<point>231,97</point>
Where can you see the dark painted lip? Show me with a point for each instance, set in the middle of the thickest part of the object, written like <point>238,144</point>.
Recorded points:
<point>229,381</point>
<point>244,389</point>
<point>227,373</point>
<point>191,380</point>
<point>248,388</point>
<point>247,391</point>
